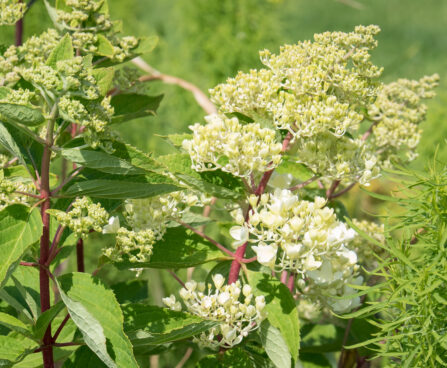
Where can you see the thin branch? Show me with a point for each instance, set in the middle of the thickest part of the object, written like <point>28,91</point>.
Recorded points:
<point>291,282</point>
<point>203,101</point>
<point>61,326</point>
<point>29,264</point>
<point>304,183</point>
<point>67,180</point>
<point>10,162</point>
<point>341,360</point>
<point>204,236</point>
<point>28,194</point>
<point>185,358</point>
<point>283,278</point>
<point>343,191</point>
<point>249,260</point>
<point>368,132</point>
<point>173,274</point>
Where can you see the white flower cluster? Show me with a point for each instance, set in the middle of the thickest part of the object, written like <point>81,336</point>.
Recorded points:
<point>305,238</point>
<point>11,11</point>
<point>237,317</point>
<point>84,216</point>
<point>226,144</point>
<point>398,110</point>
<point>310,87</point>
<point>155,212</point>
<point>136,246</point>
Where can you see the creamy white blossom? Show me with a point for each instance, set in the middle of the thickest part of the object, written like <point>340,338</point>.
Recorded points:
<point>237,314</point>
<point>226,144</point>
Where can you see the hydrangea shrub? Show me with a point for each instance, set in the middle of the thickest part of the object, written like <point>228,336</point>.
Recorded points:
<point>266,170</point>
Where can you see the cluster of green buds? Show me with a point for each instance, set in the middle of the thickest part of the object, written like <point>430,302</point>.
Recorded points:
<point>11,189</point>
<point>134,246</point>
<point>92,30</point>
<point>398,111</point>
<point>227,144</point>
<point>11,11</point>
<point>156,212</point>
<point>222,304</point>
<point>83,217</point>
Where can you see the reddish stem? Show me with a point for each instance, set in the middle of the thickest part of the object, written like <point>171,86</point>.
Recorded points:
<point>47,349</point>
<point>29,264</point>
<point>19,31</point>
<point>240,252</point>
<point>331,190</point>
<point>59,329</point>
<point>291,282</point>
<point>283,278</point>
<point>80,255</point>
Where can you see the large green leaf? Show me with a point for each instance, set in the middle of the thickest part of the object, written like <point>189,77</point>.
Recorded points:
<point>297,170</point>
<point>95,311</point>
<point>216,183</point>
<point>136,157</point>
<point>152,325</point>
<point>13,348</point>
<point>132,106</point>
<point>179,248</point>
<point>100,161</point>
<point>63,51</point>
<point>20,227</point>
<point>275,346</point>
<point>280,306</point>
<point>22,114</point>
<point>139,187</point>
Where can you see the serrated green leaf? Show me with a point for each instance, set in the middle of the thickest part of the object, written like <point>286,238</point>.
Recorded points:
<point>95,311</point>
<point>152,325</point>
<point>132,106</point>
<point>101,161</point>
<point>179,248</point>
<point>104,79</point>
<point>215,183</point>
<point>120,189</point>
<point>280,306</point>
<point>13,348</point>
<point>20,227</point>
<point>22,114</point>
<point>275,346</point>
<point>63,51</point>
